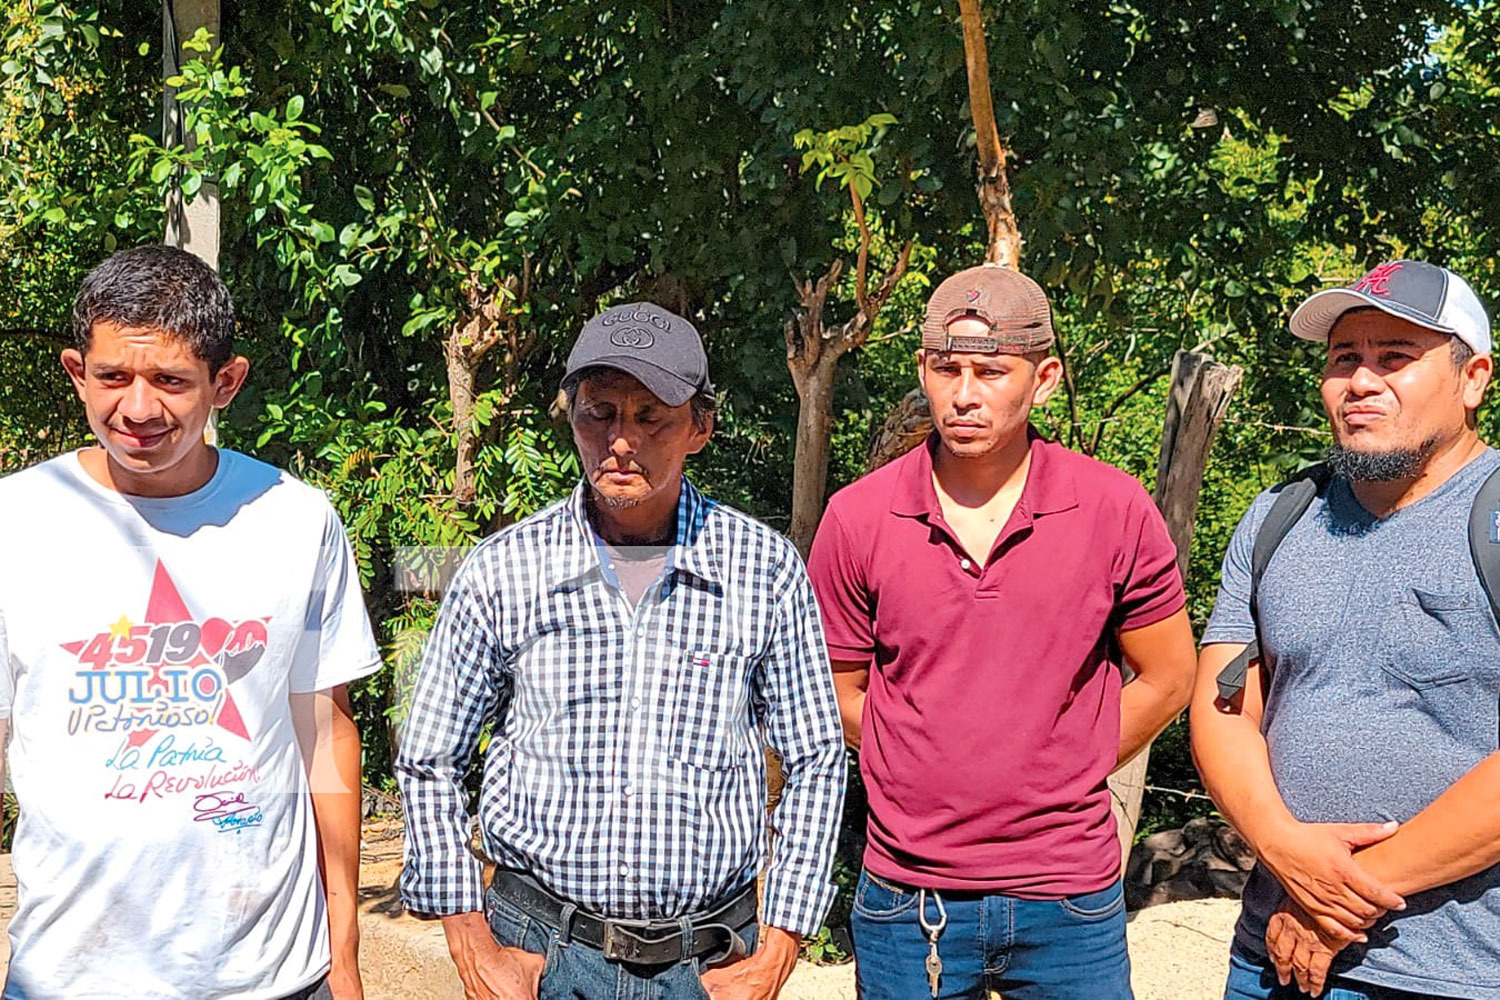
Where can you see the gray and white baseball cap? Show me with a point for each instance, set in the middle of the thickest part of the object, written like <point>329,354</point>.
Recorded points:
<point>658,347</point>
<point>1421,293</point>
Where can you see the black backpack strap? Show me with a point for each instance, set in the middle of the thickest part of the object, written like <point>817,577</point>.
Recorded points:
<point>1484,538</point>
<point>1290,504</point>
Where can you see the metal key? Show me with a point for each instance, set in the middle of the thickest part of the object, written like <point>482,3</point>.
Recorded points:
<point>934,962</point>
<point>934,968</point>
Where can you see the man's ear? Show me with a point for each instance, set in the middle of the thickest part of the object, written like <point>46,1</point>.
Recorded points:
<point>1478,371</point>
<point>1049,372</point>
<point>701,434</point>
<point>72,362</point>
<point>229,380</point>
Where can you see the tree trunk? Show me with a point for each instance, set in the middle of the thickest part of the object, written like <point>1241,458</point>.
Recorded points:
<point>463,372</point>
<point>1198,399</point>
<point>810,466</point>
<point>1004,244</point>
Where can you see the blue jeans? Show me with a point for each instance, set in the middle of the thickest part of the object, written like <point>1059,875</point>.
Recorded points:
<point>1249,980</point>
<point>1026,949</point>
<point>574,971</point>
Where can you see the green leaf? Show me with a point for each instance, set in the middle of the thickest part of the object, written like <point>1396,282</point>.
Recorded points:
<point>160,171</point>
<point>364,197</point>
<point>294,107</point>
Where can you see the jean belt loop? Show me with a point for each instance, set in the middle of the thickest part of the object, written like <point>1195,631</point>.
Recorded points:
<point>565,924</point>
<point>685,925</point>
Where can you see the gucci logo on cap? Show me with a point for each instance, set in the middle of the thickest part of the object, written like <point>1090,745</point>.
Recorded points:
<point>637,337</point>
<point>636,314</point>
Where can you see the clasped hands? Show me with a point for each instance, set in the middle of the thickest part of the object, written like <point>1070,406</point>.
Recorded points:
<point>1331,901</point>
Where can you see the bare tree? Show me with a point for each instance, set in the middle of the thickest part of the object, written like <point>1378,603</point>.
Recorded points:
<point>813,349</point>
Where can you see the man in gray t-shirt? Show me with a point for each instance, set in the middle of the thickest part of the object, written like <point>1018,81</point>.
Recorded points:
<point>1360,760</point>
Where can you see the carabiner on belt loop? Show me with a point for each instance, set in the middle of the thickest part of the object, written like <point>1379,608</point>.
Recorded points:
<point>930,929</point>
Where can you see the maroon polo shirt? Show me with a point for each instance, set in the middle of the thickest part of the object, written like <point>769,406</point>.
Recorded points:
<point>993,714</point>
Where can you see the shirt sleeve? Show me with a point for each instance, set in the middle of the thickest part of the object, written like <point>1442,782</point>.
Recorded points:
<point>459,686</point>
<point>1151,589</point>
<point>337,645</point>
<point>795,701</point>
<point>838,579</point>
<point>1231,620</point>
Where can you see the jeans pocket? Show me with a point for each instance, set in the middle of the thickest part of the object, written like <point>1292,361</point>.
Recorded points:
<point>510,926</point>
<point>1096,905</point>
<point>876,899</point>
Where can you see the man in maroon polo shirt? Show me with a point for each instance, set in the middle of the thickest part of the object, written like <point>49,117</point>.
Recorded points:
<point>978,595</point>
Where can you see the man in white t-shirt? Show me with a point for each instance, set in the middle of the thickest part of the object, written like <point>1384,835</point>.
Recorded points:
<point>178,625</point>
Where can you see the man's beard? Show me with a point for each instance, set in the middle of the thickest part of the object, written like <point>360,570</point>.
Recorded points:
<point>1380,466</point>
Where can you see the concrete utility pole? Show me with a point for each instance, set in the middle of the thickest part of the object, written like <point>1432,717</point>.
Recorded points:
<point>194,225</point>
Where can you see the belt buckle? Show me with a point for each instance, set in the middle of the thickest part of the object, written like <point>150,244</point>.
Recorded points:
<point>619,944</point>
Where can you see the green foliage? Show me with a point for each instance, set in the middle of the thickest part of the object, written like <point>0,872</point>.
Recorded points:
<point>845,154</point>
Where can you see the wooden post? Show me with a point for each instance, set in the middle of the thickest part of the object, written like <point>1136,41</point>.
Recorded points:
<point>1196,403</point>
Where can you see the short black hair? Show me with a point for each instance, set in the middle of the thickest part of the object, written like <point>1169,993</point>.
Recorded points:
<point>157,287</point>
<point>1461,350</point>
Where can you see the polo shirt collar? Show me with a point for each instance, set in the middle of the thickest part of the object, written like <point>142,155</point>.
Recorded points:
<point>690,552</point>
<point>1049,488</point>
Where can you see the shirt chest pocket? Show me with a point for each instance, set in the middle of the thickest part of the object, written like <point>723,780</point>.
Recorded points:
<point>709,725</point>
<point>1442,638</point>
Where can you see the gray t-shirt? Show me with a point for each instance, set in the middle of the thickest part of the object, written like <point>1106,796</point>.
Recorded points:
<point>1384,691</point>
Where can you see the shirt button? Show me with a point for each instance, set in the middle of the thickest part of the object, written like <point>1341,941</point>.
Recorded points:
<point>624,869</point>
<point>635,703</point>
<point>629,789</point>
<point>964,564</point>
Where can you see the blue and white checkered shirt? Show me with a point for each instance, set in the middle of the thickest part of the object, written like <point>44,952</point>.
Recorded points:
<point>625,770</point>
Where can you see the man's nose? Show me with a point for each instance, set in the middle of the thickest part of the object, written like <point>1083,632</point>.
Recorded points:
<point>140,402</point>
<point>966,393</point>
<point>1365,381</point>
<point>621,439</point>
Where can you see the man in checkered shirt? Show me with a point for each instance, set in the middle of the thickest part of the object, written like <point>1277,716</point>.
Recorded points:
<point>628,649</point>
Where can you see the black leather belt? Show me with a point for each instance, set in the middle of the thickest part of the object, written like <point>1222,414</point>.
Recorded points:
<point>714,933</point>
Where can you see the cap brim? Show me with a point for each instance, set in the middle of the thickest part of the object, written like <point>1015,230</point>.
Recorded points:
<point>1314,318</point>
<point>664,385</point>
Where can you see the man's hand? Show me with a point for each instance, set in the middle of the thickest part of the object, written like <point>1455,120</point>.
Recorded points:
<point>343,978</point>
<point>1299,950</point>
<point>759,976</point>
<point>1314,862</point>
<point>488,971</point>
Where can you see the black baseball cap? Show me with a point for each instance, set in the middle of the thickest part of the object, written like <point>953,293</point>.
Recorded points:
<point>642,339</point>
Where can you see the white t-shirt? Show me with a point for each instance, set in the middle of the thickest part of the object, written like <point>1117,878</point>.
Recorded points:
<point>166,845</point>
